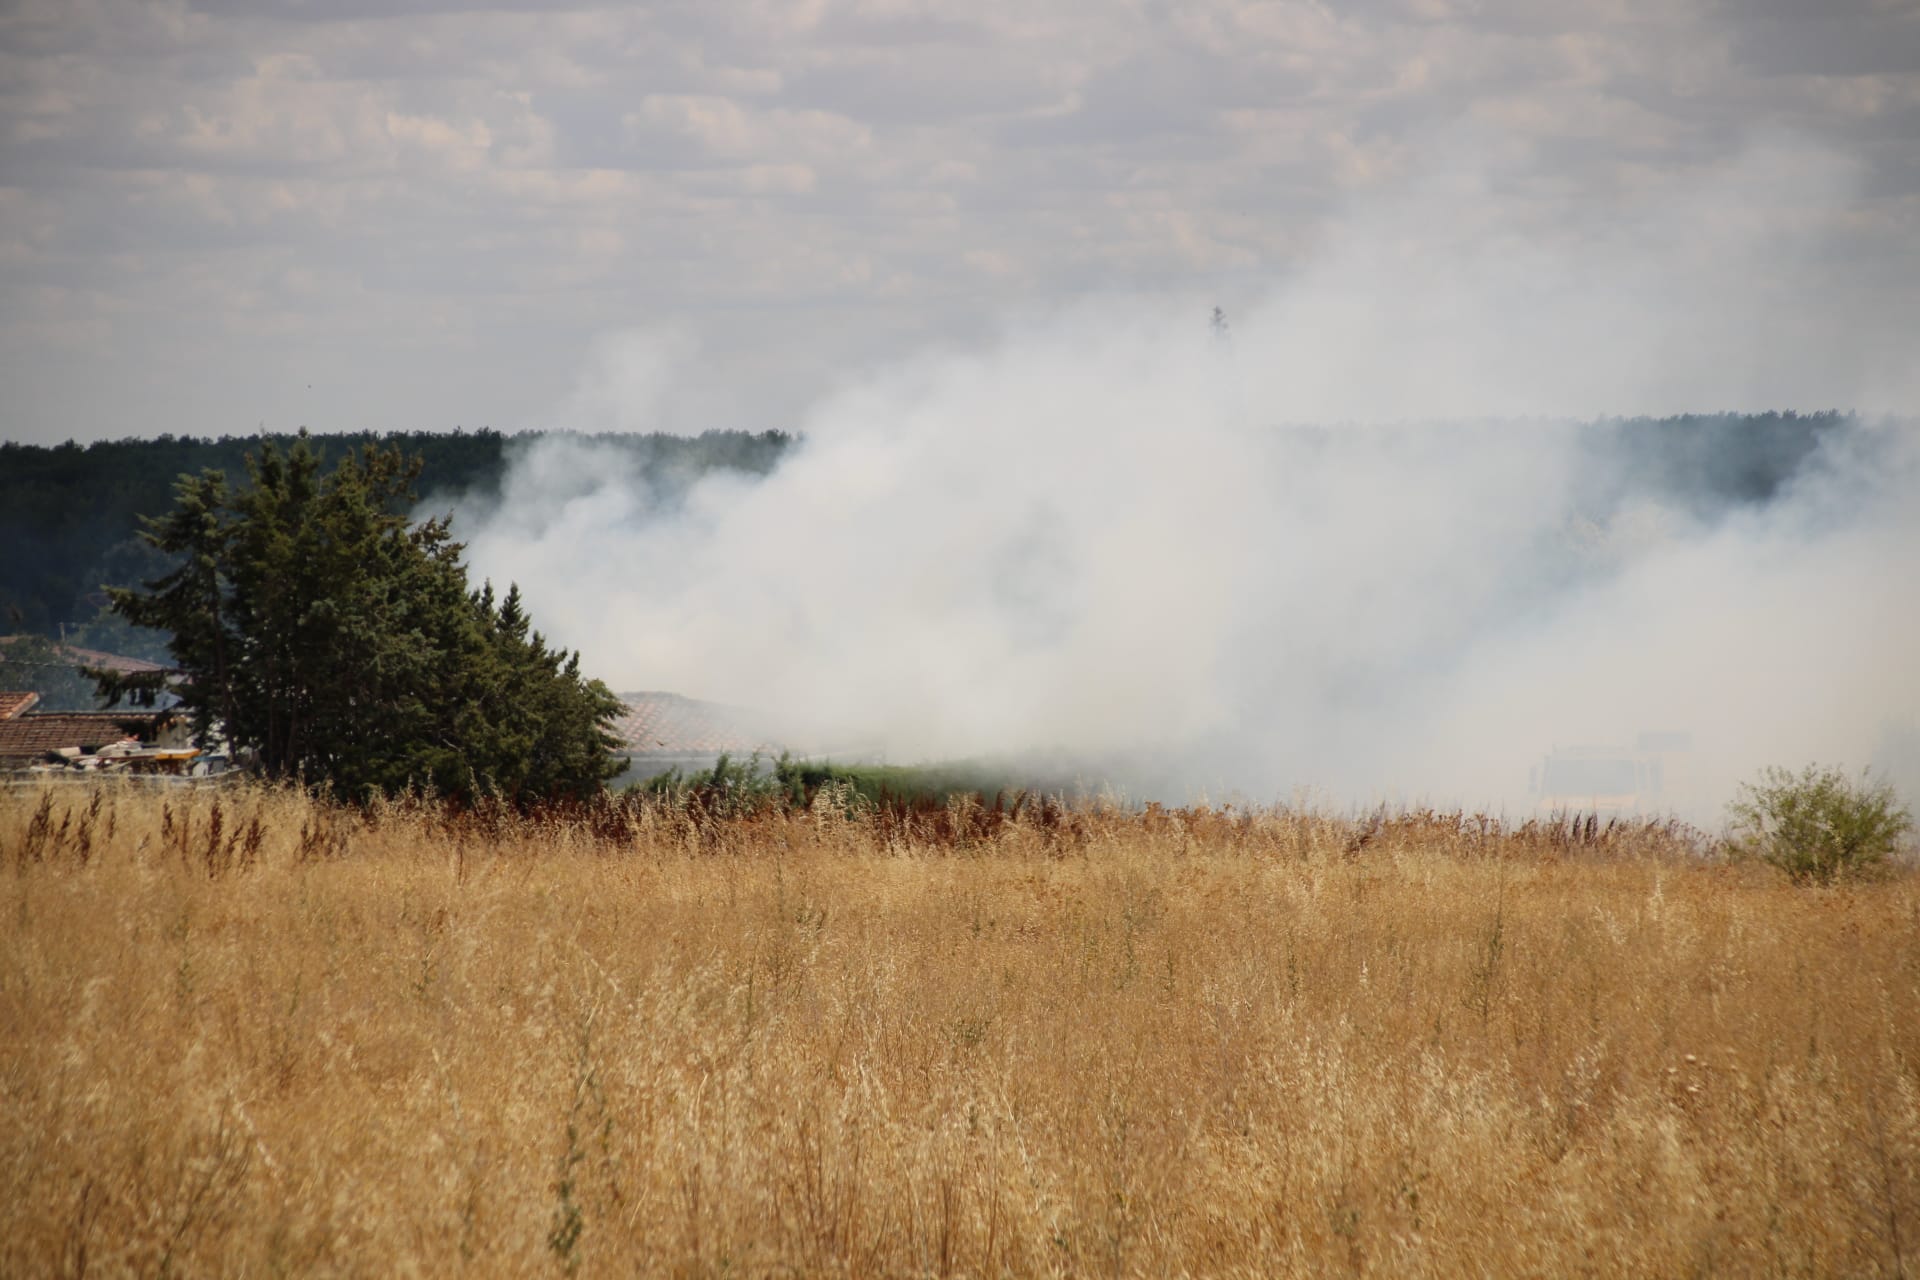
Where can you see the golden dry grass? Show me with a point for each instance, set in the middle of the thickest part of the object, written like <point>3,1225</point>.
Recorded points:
<point>1108,1044</point>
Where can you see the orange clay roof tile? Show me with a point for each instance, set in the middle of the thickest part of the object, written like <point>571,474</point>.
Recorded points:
<point>31,737</point>
<point>15,702</point>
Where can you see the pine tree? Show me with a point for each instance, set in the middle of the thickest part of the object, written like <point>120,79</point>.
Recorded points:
<point>326,637</point>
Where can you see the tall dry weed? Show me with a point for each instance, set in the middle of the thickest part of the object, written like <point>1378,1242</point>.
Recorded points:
<point>243,1031</point>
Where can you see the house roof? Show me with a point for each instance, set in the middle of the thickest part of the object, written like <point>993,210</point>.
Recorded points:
<point>666,724</point>
<point>16,702</point>
<point>31,737</point>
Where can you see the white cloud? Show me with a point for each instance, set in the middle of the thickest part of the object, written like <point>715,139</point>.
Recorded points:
<point>907,167</point>
<point>731,131</point>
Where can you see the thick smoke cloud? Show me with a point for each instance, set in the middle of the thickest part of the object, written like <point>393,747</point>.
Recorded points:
<point>1119,537</point>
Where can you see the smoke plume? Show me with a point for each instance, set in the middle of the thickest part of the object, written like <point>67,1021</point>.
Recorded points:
<point>1355,549</point>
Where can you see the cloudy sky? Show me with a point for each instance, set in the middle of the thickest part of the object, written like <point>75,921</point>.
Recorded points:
<point>423,214</point>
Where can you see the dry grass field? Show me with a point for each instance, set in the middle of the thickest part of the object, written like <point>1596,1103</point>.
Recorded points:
<point>241,1033</point>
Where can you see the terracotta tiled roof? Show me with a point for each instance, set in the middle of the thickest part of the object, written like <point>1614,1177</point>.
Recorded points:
<point>31,737</point>
<point>14,703</point>
<point>666,724</point>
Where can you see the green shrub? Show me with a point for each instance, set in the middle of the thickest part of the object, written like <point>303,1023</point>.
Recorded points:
<point>737,786</point>
<point>1819,825</point>
<point>732,788</point>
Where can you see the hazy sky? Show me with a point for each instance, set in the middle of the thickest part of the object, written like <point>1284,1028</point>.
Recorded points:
<point>418,213</point>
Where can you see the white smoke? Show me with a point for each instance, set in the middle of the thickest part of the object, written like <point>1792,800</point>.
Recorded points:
<point>625,380</point>
<point>1099,536</point>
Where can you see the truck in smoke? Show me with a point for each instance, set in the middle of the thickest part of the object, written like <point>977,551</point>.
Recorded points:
<point>1648,777</point>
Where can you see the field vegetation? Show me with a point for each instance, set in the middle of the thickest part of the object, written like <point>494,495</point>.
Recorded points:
<point>243,1031</point>
<point>743,784</point>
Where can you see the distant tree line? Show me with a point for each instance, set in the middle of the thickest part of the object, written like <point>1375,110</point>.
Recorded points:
<point>70,514</point>
<point>1706,463</point>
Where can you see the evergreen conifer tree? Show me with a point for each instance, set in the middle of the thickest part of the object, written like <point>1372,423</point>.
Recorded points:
<point>326,637</point>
